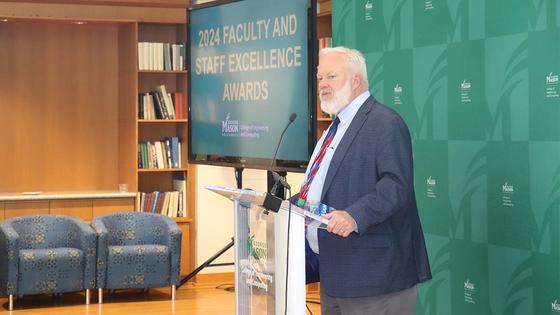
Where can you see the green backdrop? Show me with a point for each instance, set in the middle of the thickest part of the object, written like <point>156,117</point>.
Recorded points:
<point>477,83</point>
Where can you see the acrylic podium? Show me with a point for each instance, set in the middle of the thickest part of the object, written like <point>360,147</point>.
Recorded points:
<point>261,251</point>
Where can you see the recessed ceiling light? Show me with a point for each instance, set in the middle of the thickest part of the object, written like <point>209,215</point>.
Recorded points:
<point>79,22</point>
<point>3,20</point>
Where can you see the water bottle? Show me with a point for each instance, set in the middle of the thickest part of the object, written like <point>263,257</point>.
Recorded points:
<point>319,208</point>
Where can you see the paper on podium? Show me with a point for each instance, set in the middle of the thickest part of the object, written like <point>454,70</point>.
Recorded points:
<point>257,197</point>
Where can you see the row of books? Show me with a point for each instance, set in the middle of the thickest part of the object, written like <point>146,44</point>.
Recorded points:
<point>154,105</point>
<point>325,42</point>
<point>160,154</point>
<point>170,203</point>
<point>161,56</point>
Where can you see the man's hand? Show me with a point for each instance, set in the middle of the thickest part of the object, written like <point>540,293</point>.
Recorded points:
<point>340,223</point>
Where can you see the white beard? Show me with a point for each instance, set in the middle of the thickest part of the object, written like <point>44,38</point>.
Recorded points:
<point>339,100</point>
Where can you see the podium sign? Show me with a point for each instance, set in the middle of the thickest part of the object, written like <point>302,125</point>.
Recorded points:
<point>261,245</point>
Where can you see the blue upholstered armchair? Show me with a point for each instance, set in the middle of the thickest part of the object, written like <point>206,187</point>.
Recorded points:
<point>46,254</point>
<point>137,250</point>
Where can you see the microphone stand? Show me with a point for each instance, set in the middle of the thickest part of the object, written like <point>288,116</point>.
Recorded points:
<point>208,262</point>
<point>275,195</point>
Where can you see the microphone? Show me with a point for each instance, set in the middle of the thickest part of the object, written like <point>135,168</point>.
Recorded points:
<point>272,202</point>
<point>277,177</point>
<point>293,117</point>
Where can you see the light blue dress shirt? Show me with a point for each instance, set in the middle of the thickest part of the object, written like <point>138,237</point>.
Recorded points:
<point>315,190</point>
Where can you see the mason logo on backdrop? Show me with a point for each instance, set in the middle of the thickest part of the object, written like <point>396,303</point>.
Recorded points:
<point>431,187</point>
<point>469,292</point>
<point>552,85</point>
<point>397,94</point>
<point>465,91</point>
<point>507,195</point>
<point>555,307</point>
<point>428,5</point>
<point>368,11</point>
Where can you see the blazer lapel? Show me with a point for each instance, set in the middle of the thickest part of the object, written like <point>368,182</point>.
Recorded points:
<point>355,126</point>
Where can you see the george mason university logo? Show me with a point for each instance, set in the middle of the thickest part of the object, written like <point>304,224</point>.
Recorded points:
<point>230,126</point>
<point>555,306</point>
<point>465,91</point>
<point>507,188</point>
<point>551,78</point>
<point>431,187</point>
<point>469,292</point>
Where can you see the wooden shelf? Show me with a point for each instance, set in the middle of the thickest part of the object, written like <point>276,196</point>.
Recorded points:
<point>155,170</point>
<point>183,220</point>
<point>159,121</point>
<point>324,119</point>
<point>162,71</point>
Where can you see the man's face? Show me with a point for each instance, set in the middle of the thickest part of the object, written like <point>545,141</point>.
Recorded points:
<point>334,83</point>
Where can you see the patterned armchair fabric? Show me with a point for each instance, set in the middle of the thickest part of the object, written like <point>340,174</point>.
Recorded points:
<point>137,250</point>
<point>46,254</point>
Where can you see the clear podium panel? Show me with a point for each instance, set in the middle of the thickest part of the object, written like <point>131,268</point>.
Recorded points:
<point>262,240</point>
<point>256,270</point>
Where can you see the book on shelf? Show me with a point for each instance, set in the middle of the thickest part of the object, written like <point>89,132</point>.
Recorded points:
<point>325,42</point>
<point>161,56</point>
<point>159,104</point>
<point>165,153</point>
<point>180,185</point>
<point>179,105</point>
<point>167,102</point>
<point>168,203</point>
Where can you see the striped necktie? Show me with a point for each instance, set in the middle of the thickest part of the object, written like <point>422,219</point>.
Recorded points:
<point>317,162</point>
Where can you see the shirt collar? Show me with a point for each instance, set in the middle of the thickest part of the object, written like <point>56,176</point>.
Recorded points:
<point>347,114</point>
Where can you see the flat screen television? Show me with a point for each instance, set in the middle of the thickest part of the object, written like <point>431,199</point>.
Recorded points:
<point>251,64</point>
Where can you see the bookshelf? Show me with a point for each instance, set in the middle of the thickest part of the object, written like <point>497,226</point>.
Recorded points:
<point>324,30</point>
<point>69,110</point>
<point>158,179</point>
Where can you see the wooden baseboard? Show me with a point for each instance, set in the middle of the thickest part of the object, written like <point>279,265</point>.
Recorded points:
<point>218,277</point>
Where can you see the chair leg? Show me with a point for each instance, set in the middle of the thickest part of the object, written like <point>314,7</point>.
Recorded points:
<point>11,303</point>
<point>100,295</point>
<point>87,296</point>
<point>173,293</point>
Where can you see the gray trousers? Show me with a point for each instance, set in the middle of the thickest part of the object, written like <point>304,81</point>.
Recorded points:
<point>397,303</point>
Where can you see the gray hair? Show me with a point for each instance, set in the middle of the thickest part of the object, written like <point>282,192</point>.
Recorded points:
<point>355,59</point>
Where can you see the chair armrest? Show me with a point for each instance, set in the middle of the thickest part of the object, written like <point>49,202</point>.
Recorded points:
<point>102,251</point>
<point>88,245</point>
<point>174,236</point>
<point>9,259</point>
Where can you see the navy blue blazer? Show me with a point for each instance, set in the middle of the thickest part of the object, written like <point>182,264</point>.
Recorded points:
<point>371,177</point>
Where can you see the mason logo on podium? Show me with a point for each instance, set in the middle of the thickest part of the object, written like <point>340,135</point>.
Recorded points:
<point>256,249</point>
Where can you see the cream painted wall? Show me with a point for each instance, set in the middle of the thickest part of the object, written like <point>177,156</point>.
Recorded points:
<point>214,213</point>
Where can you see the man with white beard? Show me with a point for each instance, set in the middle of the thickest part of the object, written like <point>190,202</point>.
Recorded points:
<point>372,253</point>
